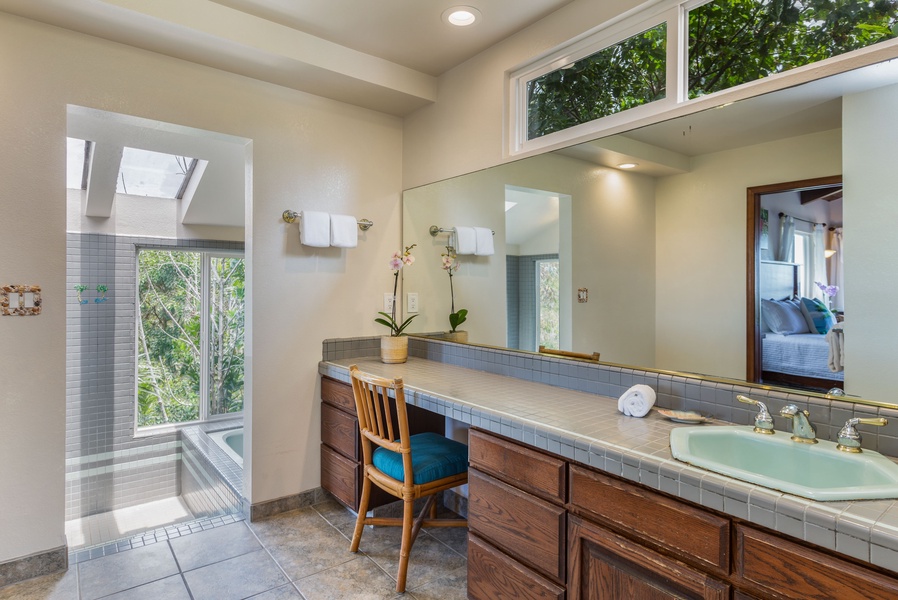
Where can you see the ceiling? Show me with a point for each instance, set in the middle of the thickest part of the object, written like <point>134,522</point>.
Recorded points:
<point>383,55</point>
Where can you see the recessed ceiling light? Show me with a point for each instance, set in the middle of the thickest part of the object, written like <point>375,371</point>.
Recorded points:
<point>627,165</point>
<point>461,16</point>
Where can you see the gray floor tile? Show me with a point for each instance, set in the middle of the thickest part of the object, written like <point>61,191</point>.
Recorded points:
<point>429,560</point>
<point>285,592</point>
<point>452,586</point>
<point>454,537</point>
<point>374,539</point>
<point>303,545</point>
<point>170,588</point>
<point>214,545</point>
<point>335,513</point>
<point>59,586</point>
<point>360,579</point>
<point>125,570</point>
<point>236,578</point>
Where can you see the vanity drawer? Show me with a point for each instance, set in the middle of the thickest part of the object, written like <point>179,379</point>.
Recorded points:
<point>532,471</point>
<point>494,576</point>
<point>701,538</point>
<point>338,393</point>
<point>340,431</point>
<point>522,525</point>
<point>772,565</point>
<point>340,476</point>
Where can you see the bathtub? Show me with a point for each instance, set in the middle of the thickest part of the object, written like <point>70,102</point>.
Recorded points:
<point>231,441</point>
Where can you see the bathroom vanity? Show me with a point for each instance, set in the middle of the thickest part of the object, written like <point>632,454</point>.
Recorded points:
<point>570,499</point>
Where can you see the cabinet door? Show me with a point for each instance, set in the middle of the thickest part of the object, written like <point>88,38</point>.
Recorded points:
<point>494,576</point>
<point>771,565</point>
<point>605,566</point>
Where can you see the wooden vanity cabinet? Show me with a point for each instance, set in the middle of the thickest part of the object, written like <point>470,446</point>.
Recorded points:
<point>341,451</point>
<point>622,540</point>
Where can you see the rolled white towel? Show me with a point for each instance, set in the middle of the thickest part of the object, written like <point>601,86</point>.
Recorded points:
<point>637,401</point>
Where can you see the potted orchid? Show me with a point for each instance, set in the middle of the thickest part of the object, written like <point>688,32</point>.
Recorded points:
<point>450,265</point>
<point>394,347</point>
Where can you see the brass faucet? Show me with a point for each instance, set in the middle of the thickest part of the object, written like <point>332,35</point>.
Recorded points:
<point>802,429</point>
<point>850,439</point>
<point>763,420</point>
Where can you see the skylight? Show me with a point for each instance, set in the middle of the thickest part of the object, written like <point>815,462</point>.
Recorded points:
<point>146,173</point>
<point>76,163</point>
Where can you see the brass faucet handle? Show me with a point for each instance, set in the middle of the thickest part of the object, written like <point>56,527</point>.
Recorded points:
<point>850,438</point>
<point>763,420</point>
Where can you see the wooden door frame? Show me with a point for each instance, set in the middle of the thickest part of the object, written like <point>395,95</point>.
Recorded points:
<point>753,262</point>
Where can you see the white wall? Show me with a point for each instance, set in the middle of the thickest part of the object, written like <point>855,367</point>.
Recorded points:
<point>871,214</point>
<point>306,153</point>
<point>701,220</point>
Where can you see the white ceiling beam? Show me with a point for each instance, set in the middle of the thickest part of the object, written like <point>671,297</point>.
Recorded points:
<point>105,162</point>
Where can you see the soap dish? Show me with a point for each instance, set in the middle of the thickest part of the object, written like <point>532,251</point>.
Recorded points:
<point>683,416</point>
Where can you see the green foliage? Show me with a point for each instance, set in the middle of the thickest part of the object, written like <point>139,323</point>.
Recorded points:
<point>730,42</point>
<point>170,353</point>
<point>457,318</point>
<point>628,74</point>
<point>736,41</point>
<point>549,303</point>
<point>396,329</point>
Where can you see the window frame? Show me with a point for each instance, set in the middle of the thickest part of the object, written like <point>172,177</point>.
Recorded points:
<point>206,255</point>
<point>676,103</point>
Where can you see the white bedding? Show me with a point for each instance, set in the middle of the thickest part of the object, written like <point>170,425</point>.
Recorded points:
<point>805,354</point>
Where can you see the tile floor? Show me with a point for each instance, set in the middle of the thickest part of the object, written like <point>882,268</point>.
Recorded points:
<point>124,522</point>
<point>300,554</point>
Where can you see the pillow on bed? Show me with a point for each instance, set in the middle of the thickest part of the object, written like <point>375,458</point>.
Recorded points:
<point>783,317</point>
<point>818,317</point>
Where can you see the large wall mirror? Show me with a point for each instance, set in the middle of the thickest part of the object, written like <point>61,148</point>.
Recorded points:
<point>651,265</point>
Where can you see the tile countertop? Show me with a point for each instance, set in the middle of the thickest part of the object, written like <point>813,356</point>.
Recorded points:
<point>588,428</point>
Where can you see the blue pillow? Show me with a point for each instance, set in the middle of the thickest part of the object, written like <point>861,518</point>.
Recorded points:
<point>819,318</point>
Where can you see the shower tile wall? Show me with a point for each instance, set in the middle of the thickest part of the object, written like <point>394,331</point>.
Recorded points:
<point>521,291</point>
<point>106,467</point>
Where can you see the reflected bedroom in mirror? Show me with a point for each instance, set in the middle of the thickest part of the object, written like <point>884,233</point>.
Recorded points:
<point>663,247</point>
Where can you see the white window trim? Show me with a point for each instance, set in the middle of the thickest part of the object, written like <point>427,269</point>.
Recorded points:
<point>676,103</point>
<point>205,417</point>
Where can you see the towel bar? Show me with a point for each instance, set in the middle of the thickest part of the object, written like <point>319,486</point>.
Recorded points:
<point>435,231</point>
<point>593,357</point>
<point>290,216</point>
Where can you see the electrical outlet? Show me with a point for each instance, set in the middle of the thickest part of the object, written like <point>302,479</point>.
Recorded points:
<point>388,302</point>
<point>413,302</point>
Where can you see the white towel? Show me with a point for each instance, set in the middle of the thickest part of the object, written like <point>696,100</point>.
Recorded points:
<point>315,229</point>
<point>637,401</point>
<point>836,340</point>
<point>484,238</point>
<point>344,231</point>
<point>465,240</point>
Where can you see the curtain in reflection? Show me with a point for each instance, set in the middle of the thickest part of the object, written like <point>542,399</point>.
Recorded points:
<point>836,269</point>
<point>817,268</point>
<point>786,249</point>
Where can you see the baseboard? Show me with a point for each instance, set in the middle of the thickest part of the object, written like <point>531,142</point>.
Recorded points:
<point>269,508</point>
<point>35,565</point>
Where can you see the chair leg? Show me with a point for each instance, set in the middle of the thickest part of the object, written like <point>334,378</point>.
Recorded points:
<point>408,514</point>
<point>360,520</point>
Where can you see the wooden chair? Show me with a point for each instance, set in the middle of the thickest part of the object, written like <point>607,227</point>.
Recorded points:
<point>407,466</point>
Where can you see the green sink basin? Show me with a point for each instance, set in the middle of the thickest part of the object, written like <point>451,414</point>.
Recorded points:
<point>815,471</point>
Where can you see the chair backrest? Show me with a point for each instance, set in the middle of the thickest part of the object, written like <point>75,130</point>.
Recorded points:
<point>378,423</point>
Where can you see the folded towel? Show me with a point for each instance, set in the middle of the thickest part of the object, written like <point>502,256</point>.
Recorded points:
<point>344,231</point>
<point>484,238</point>
<point>315,229</point>
<point>465,240</point>
<point>836,340</point>
<point>637,401</point>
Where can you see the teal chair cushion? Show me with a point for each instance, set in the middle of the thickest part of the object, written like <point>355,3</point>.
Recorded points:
<point>433,457</point>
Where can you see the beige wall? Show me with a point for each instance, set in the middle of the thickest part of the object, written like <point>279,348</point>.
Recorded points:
<point>465,129</point>
<point>610,234</point>
<point>306,153</point>
<point>701,217</point>
<point>871,215</point>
